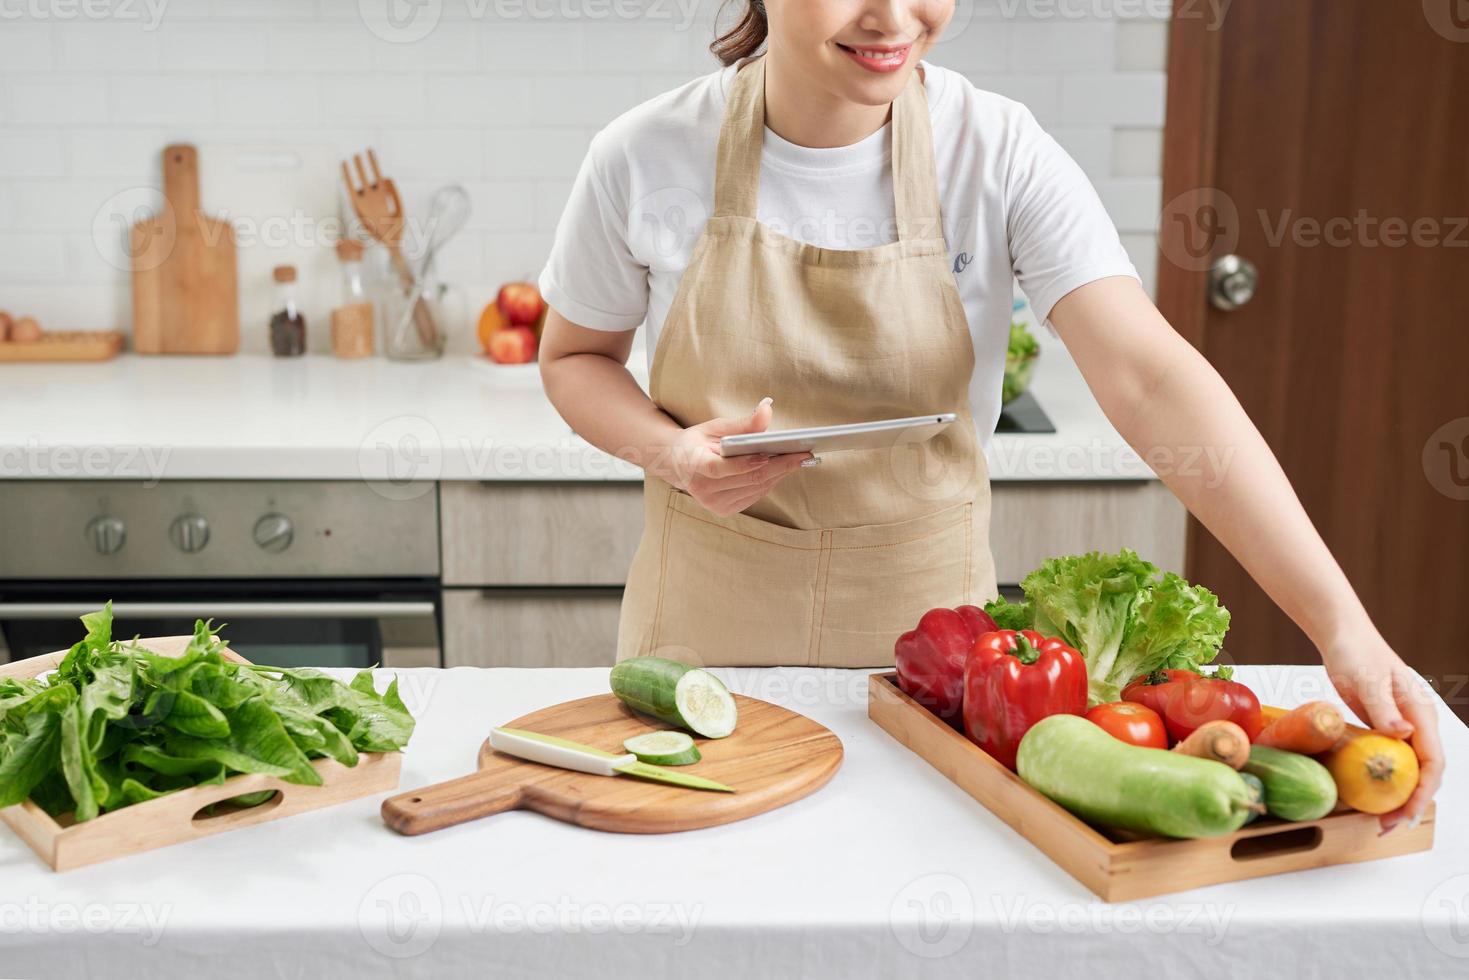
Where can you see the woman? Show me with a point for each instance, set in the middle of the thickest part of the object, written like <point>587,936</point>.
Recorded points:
<point>836,226</point>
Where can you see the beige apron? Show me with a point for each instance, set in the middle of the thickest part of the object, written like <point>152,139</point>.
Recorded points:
<point>839,559</point>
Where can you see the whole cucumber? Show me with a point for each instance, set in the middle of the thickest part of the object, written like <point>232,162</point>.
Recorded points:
<point>1297,787</point>
<point>1106,781</point>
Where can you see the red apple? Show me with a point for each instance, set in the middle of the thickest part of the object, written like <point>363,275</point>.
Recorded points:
<point>521,303</point>
<point>513,345</point>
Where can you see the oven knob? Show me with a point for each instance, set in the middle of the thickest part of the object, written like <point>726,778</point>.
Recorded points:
<point>274,532</point>
<point>189,533</point>
<point>107,534</point>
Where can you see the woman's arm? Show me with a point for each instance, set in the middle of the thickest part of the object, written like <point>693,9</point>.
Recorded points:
<point>586,378</point>
<point>1164,397</point>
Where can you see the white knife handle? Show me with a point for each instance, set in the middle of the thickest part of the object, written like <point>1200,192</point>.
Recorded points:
<point>550,754</point>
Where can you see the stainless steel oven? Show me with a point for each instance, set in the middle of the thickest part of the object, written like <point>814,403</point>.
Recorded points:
<point>301,573</point>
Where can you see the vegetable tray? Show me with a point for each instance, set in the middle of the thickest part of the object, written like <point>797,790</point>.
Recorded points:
<point>1119,867</point>
<point>186,814</point>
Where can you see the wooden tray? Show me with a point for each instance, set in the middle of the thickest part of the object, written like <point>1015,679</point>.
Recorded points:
<point>178,817</point>
<point>1120,869</point>
<point>64,345</point>
<point>774,757</point>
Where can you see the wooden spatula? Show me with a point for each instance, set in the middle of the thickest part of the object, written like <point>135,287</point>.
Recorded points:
<point>185,288</point>
<point>377,205</point>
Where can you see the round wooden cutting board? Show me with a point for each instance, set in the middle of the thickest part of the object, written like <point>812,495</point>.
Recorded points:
<point>774,757</point>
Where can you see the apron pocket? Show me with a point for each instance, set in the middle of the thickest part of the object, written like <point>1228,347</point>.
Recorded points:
<point>734,590</point>
<point>883,578</point>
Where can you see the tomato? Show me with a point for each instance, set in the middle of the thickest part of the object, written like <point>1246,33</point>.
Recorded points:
<point>1136,724</point>
<point>1187,700</point>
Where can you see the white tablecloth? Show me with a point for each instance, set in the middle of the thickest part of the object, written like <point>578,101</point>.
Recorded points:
<point>889,870</point>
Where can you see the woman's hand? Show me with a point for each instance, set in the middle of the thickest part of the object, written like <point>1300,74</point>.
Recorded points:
<point>1392,699</point>
<point>725,486</point>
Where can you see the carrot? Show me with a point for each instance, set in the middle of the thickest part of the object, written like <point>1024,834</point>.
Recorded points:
<point>1311,729</point>
<point>1219,740</point>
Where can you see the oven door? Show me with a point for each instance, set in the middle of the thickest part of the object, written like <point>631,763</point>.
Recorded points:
<point>362,628</point>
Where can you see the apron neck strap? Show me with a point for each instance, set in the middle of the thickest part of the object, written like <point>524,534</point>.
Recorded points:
<point>742,140</point>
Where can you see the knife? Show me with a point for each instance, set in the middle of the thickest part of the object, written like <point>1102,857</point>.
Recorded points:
<point>552,750</point>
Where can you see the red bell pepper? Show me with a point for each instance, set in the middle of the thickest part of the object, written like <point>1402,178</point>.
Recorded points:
<point>930,658</point>
<point>1187,700</point>
<point>1013,679</point>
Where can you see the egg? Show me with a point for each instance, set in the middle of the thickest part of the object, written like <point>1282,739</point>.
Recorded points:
<point>25,329</point>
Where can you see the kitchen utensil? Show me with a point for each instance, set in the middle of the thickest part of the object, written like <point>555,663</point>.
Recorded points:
<point>64,345</point>
<point>449,210</point>
<point>285,202</point>
<point>180,816</point>
<point>380,209</point>
<point>185,287</point>
<point>1121,867</point>
<point>774,757</point>
<point>550,750</point>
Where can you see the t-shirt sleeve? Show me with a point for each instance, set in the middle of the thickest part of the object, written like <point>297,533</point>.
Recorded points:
<point>1061,237</point>
<point>592,276</point>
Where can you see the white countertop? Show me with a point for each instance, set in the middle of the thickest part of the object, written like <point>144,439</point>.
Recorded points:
<point>462,418</point>
<point>888,871</point>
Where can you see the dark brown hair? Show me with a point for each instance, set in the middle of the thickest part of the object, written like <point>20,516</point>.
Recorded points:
<point>745,38</point>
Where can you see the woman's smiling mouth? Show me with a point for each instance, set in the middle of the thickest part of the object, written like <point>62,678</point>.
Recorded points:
<point>879,59</point>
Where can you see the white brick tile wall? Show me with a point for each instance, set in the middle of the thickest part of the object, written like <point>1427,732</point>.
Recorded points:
<point>1142,46</point>
<point>30,154</point>
<point>56,100</point>
<point>168,99</point>
<point>105,46</point>
<point>33,258</point>
<point>196,47</point>
<point>1137,152</point>
<point>495,95</point>
<point>1135,99</point>
<point>25,47</point>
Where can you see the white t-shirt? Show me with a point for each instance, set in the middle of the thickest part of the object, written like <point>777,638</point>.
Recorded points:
<point>1015,205</point>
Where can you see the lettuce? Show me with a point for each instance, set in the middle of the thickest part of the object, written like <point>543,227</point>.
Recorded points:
<point>1010,615</point>
<point>1124,617</point>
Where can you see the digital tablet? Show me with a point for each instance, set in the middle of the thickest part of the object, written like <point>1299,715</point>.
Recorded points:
<point>833,438</point>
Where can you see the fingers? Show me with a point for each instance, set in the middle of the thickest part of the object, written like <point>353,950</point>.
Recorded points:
<point>1422,713</point>
<point>1375,699</point>
<point>722,468</point>
<point>737,500</point>
<point>756,421</point>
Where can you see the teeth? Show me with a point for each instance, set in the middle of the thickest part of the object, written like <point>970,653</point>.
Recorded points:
<point>880,55</point>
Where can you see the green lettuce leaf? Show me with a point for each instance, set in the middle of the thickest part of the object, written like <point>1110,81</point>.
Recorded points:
<point>1010,615</point>
<point>1088,601</point>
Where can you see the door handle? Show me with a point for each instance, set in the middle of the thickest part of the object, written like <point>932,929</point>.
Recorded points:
<point>1233,282</point>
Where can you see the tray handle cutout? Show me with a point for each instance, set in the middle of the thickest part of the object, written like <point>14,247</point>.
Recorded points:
<point>1296,840</point>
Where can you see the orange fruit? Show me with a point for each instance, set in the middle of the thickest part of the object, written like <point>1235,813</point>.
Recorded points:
<point>490,321</point>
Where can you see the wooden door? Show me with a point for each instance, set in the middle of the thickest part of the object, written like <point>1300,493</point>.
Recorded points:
<point>1327,142</point>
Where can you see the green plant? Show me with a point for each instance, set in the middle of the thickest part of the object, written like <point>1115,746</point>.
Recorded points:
<point>117,724</point>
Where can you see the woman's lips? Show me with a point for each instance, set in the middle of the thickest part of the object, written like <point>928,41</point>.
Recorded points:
<point>880,60</point>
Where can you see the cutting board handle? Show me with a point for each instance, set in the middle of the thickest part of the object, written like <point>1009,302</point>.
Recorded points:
<point>457,801</point>
<point>181,179</point>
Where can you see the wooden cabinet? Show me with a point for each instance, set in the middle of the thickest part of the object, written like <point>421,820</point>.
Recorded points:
<point>573,534</point>
<point>1030,522</point>
<point>530,628</point>
<point>533,572</point>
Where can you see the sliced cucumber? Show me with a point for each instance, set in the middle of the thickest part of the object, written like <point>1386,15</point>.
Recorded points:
<point>676,693</point>
<point>663,748</point>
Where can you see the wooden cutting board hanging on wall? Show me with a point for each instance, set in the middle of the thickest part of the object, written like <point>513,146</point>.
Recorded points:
<point>185,290</point>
